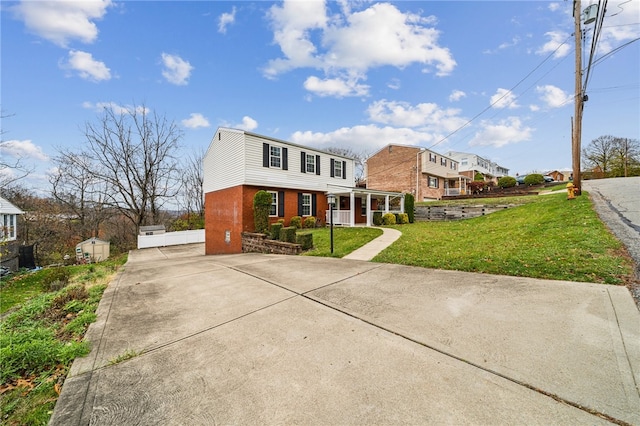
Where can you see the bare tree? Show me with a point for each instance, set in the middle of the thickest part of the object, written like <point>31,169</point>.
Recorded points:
<point>627,156</point>
<point>358,158</point>
<point>12,170</point>
<point>192,178</point>
<point>599,153</point>
<point>79,193</point>
<point>134,154</point>
<point>614,156</point>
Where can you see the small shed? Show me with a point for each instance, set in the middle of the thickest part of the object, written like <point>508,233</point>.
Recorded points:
<point>92,250</point>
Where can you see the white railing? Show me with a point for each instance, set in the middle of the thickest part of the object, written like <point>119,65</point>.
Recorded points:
<point>171,238</point>
<point>340,217</point>
<point>452,191</point>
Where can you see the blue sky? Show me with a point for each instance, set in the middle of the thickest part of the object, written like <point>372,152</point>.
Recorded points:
<point>492,78</point>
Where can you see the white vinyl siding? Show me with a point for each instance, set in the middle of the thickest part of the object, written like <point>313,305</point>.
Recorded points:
<point>237,158</point>
<point>224,162</point>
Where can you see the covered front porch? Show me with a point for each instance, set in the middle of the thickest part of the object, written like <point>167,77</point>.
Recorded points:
<point>356,206</point>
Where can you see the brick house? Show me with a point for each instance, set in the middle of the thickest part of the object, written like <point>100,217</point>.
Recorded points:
<point>471,164</point>
<point>238,164</point>
<point>419,171</point>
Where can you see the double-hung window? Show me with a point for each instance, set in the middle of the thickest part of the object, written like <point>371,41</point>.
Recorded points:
<point>273,209</point>
<point>306,204</point>
<point>433,182</point>
<point>311,163</point>
<point>337,169</point>
<point>275,156</point>
<point>432,157</point>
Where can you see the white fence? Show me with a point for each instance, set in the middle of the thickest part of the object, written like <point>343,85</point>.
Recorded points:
<point>171,238</point>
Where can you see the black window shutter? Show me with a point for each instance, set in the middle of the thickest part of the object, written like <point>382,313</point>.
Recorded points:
<point>317,164</point>
<point>332,171</point>
<point>285,163</point>
<point>303,162</point>
<point>280,203</point>
<point>314,199</point>
<point>344,170</point>
<point>299,203</point>
<point>265,155</point>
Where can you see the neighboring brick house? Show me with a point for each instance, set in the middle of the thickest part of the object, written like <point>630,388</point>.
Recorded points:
<point>471,164</point>
<point>238,164</point>
<point>419,171</point>
<point>9,247</point>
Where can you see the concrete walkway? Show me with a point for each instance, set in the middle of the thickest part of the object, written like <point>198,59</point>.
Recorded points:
<point>188,339</point>
<point>372,248</point>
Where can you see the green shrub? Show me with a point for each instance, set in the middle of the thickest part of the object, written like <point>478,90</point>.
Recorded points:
<point>296,221</point>
<point>305,240</point>
<point>409,207</point>
<point>288,234</point>
<point>388,219</point>
<point>402,218</point>
<point>309,222</point>
<point>275,230</point>
<point>377,218</point>
<point>507,182</point>
<point>261,205</point>
<point>534,179</point>
<point>478,177</point>
<point>56,279</point>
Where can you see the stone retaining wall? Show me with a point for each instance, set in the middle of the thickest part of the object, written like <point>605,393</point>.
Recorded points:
<point>260,243</point>
<point>424,213</point>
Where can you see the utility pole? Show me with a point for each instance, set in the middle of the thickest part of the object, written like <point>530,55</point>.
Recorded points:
<point>576,137</point>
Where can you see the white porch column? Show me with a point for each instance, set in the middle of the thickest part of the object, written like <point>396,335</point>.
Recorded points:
<point>402,204</point>
<point>368,209</point>
<point>386,204</point>
<point>352,203</point>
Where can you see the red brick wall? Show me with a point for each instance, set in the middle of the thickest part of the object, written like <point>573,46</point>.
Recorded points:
<point>393,169</point>
<point>223,211</point>
<point>232,210</point>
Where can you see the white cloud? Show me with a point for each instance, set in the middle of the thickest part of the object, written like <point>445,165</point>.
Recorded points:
<point>176,70</point>
<point>63,21</point>
<point>225,20</point>
<point>87,67</point>
<point>363,138</point>
<point>425,116</point>
<point>22,150</point>
<point>351,43</point>
<point>553,96</point>
<point>248,124</point>
<point>335,87</point>
<point>503,98</point>
<point>505,132</point>
<point>456,95</point>
<point>117,109</point>
<point>554,6</point>
<point>620,26</point>
<point>195,121</point>
<point>394,84</point>
<point>558,44</point>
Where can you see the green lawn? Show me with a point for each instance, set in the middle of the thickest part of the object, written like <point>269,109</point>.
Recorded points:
<point>549,237</point>
<point>345,240</point>
<point>46,314</point>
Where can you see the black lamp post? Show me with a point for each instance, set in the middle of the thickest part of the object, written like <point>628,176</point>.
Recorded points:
<point>331,198</point>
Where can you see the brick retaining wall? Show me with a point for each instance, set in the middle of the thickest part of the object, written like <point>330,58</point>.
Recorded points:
<point>259,243</point>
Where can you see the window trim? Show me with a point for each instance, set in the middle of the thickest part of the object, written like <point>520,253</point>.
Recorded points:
<point>309,205</point>
<point>274,203</point>
<point>310,166</point>
<point>273,156</point>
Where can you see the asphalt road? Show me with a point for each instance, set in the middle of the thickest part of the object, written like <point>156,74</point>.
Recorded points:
<point>617,201</point>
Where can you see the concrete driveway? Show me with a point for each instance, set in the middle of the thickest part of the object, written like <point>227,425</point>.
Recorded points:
<point>268,339</point>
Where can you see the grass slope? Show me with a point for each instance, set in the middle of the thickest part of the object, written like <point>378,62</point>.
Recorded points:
<point>549,237</point>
